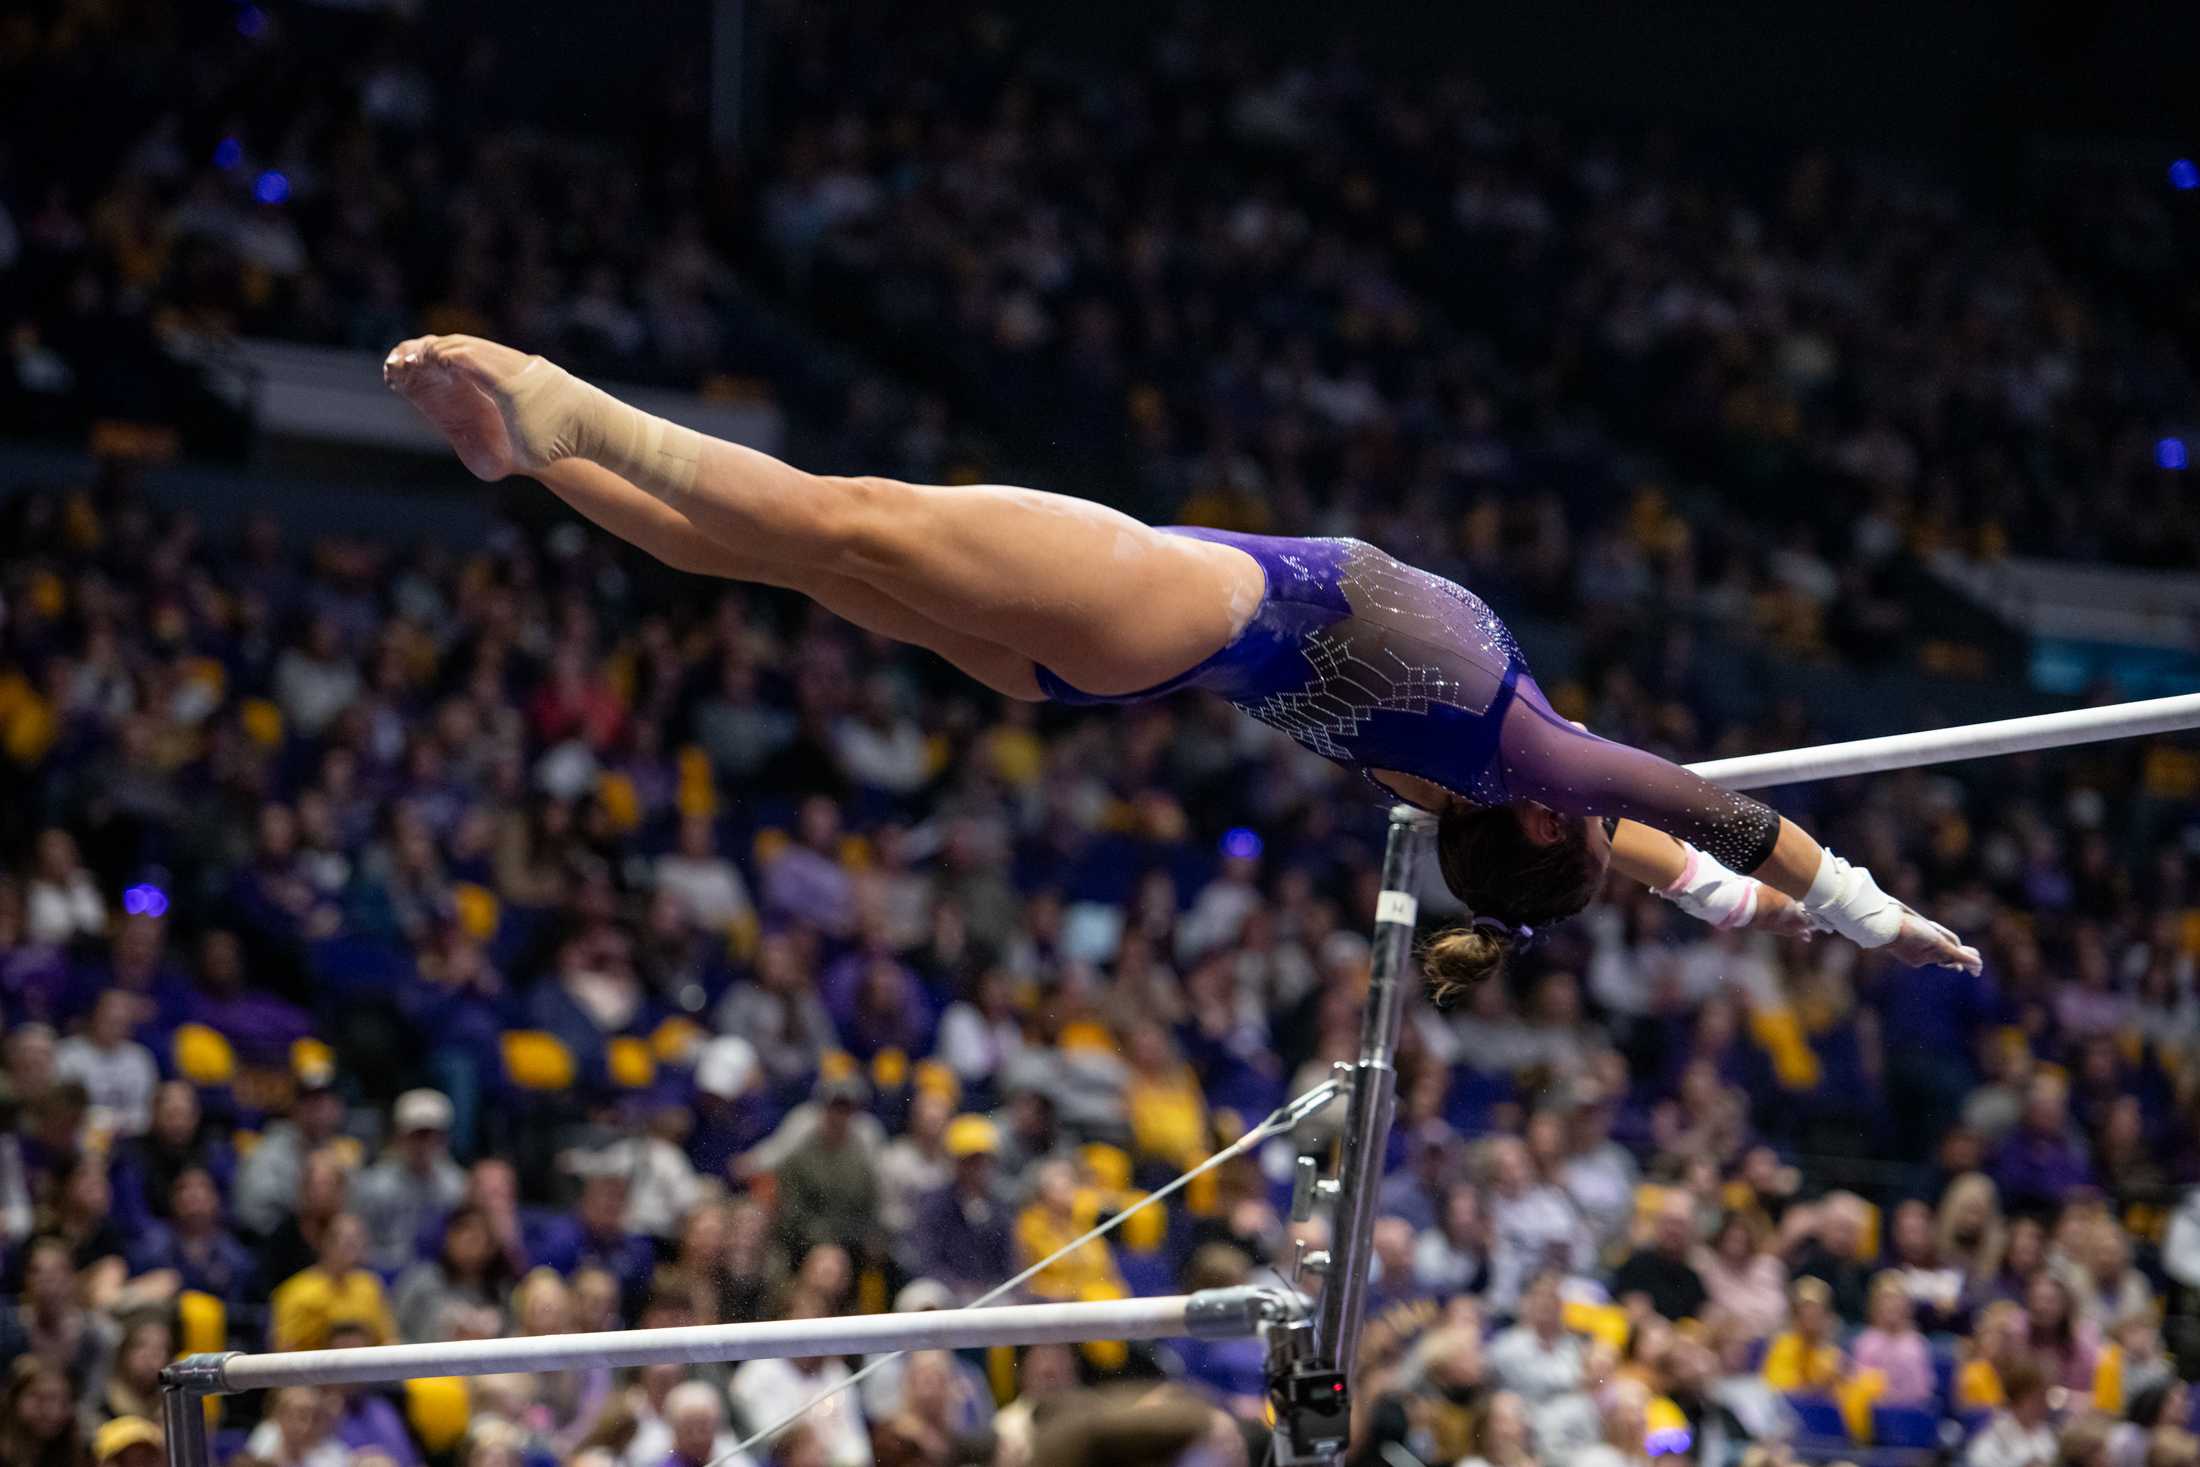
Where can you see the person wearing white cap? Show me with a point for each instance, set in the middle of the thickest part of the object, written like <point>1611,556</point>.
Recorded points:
<point>415,1181</point>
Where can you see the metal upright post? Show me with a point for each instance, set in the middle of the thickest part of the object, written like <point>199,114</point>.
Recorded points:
<point>1374,1092</point>
<point>183,1423</point>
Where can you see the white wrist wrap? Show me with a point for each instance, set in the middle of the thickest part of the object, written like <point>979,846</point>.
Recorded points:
<point>1846,899</point>
<point>1710,893</point>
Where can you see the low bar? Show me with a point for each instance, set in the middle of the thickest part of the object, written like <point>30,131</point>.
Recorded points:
<point>1965,741</point>
<point>1212,1314</point>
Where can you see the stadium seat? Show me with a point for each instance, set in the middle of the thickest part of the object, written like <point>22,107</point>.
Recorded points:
<point>203,1055</point>
<point>675,1041</point>
<point>1820,1417</point>
<point>631,1064</point>
<point>478,910</point>
<point>534,1060</point>
<point>1146,1230</point>
<point>1905,1426</point>
<point>439,1409</point>
<point>202,1323</point>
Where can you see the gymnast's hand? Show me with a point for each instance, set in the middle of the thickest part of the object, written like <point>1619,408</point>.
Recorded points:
<point>1924,943</point>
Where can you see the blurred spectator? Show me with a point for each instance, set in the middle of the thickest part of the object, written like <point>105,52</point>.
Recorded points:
<point>51,1324</point>
<point>117,1072</point>
<point>1743,1278</point>
<point>61,902</point>
<point>337,1289</point>
<point>468,1272</point>
<point>1892,1345</point>
<point>38,1416</point>
<point>767,1391</point>
<point>1808,1355</point>
<point>1533,1226</point>
<point>2041,1163</point>
<point>1537,1359</point>
<point>963,1235</point>
<point>2019,1435</point>
<point>697,1425</point>
<point>829,1190</point>
<point>133,1387</point>
<point>1500,1437</point>
<point>196,1248</point>
<point>414,1182</point>
<point>268,1179</point>
<point>297,1432</point>
<point>1661,1272</point>
<point>365,1419</point>
<point>1832,1250</point>
<point>1052,1220</point>
<point>1453,1256</point>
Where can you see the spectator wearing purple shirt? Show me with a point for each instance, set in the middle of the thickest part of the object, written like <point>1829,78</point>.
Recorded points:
<point>805,881</point>
<point>963,1235</point>
<point>2041,1162</point>
<point>205,1256</point>
<point>366,1420</point>
<point>595,1232</point>
<point>258,1025</point>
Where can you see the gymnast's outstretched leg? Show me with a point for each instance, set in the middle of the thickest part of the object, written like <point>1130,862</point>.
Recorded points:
<point>1107,603</point>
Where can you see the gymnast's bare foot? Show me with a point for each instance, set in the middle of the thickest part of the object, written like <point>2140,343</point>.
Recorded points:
<point>548,413</point>
<point>465,415</point>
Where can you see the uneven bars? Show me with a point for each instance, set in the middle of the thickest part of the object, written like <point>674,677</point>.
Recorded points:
<point>1965,741</point>
<point>1212,1314</point>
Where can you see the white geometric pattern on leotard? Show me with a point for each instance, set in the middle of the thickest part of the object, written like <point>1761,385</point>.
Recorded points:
<point>1355,672</point>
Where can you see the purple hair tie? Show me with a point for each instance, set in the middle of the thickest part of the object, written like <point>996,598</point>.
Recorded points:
<point>1493,924</point>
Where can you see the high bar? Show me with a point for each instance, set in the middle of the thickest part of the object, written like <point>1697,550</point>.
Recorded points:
<point>1210,1314</point>
<point>1965,741</point>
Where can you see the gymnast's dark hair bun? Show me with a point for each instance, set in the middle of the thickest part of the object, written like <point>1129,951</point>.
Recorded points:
<point>1463,958</point>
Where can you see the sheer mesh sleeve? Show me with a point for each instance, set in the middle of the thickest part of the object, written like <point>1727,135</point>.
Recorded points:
<point>1547,759</point>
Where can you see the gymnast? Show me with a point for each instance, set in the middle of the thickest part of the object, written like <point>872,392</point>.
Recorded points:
<point>1391,671</point>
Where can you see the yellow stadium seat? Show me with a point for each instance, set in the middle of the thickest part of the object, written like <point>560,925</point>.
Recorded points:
<point>203,1056</point>
<point>934,1078</point>
<point>311,1056</point>
<point>479,911</point>
<point>621,803</point>
<point>889,1069</point>
<point>438,1408</point>
<point>202,1323</point>
<point>769,842</point>
<point>855,853</point>
<point>630,1062</point>
<point>262,722</point>
<point>1147,1229</point>
<point>674,1042</point>
<point>1086,1034</point>
<point>534,1060</point>
<point>835,1064</point>
<point>1107,1355</point>
<point>1107,1167</point>
<point>871,1292</point>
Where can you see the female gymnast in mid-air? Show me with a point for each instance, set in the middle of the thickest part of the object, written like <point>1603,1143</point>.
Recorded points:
<point>1389,670</point>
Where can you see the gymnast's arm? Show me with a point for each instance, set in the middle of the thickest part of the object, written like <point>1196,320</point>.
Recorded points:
<point>1574,772</point>
<point>1700,886</point>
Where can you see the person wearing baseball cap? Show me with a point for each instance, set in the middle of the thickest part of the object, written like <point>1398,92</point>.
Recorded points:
<point>127,1441</point>
<point>414,1183</point>
<point>962,1238</point>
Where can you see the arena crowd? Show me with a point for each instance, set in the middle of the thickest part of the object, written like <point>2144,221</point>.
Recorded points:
<point>424,941</point>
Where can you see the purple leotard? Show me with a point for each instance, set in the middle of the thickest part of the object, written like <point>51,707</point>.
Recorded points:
<point>1378,665</point>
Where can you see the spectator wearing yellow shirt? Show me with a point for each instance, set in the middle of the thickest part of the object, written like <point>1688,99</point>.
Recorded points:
<point>1807,1357</point>
<point>1997,1343</point>
<point>335,1290</point>
<point>1057,1215</point>
<point>1167,1109</point>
